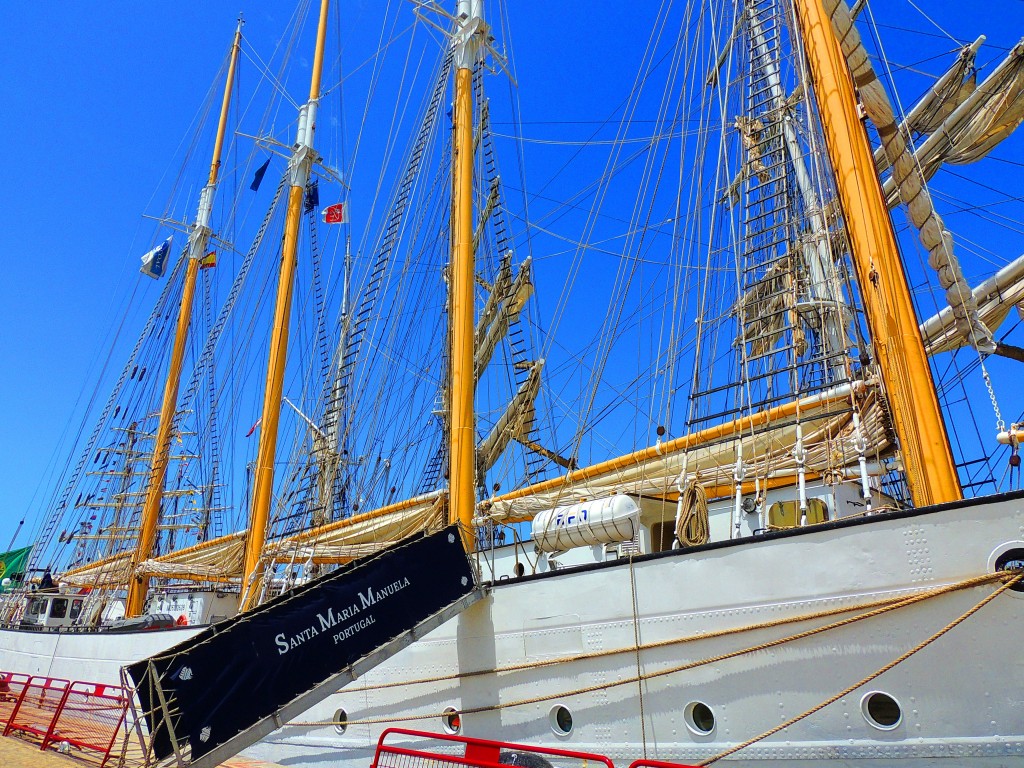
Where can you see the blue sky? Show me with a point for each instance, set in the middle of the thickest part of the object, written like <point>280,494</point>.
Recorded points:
<point>97,98</point>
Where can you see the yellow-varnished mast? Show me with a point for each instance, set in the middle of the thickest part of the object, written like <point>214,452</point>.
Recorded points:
<point>930,470</point>
<point>299,169</point>
<point>198,240</point>
<point>463,432</point>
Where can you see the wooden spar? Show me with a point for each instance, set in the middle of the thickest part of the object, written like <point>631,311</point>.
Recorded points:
<point>929,467</point>
<point>463,432</point>
<point>299,169</point>
<point>199,238</point>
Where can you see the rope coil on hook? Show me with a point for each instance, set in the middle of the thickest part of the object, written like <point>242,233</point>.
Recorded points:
<point>692,526</point>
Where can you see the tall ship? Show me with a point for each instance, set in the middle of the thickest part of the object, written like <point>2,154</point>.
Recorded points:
<point>723,409</point>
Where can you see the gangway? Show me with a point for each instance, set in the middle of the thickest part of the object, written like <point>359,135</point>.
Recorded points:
<point>208,698</point>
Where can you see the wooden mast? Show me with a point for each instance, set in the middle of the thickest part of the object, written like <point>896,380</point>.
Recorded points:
<point>462,453</point>
<point>299,170</point>
<point>929,467</point>
<point>198,240</point>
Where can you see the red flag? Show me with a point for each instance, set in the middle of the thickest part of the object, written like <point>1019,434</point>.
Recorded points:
<point>253,427</point>
<point>336,214</point>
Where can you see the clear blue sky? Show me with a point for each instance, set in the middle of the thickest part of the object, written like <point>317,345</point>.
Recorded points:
<point>96,98</point>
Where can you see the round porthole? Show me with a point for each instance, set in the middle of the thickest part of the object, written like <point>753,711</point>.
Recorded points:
<point>1009,557</point>
<point>699,718</point>
<point>561,721</point>
<point>451,721</point>
<point>519,570</point>
<point>881,710</point>
<point>341,721</point>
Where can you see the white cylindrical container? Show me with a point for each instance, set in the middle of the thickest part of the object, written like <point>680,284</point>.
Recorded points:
<point>602,521</point>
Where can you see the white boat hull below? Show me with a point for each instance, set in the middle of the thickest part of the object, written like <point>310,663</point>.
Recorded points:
<point>548,642</point>
<point>960,699</point>
<point>95,657</point>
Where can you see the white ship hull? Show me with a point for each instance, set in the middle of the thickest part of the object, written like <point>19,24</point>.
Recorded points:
<point>960,698</point>
<point>87,656</point>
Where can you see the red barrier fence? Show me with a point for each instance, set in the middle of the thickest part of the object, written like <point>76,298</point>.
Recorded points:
<point>11,686</point>
<point>89,718</point>
<point>37,706</point>
<point>84,715</point>
<point>435,750</point>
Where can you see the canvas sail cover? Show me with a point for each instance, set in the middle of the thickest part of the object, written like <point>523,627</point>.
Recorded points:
<point>909,179</point>
<point>234,674</point>
<point>767,449</point>
<point>987,116</point>
<point>220,560</point>
<point>996,298</point>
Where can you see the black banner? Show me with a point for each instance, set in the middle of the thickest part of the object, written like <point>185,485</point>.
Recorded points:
<point>235,673</point>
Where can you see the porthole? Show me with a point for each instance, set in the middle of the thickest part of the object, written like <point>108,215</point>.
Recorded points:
<point>519,569</point>
<point>340,721</point>
<point>451,721</point>
<point>699,718</point>
<point>881,710</point>
<point>561,721</point>
<point>1009,557</point>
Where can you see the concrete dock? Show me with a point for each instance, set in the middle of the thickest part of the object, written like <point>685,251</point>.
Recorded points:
<point>16,752</point>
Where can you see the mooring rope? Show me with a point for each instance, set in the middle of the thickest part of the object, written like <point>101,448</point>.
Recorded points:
<point>877,608</point>
<point>849,689</point>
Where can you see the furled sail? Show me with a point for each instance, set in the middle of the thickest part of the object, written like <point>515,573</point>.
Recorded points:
<point>770,309</point>
<point>362,534</point>
<point>910,181</point>
<point>941,100</point>
<point>218,560</point>
<point>505,302</point>
<point>948,93</point>
<point>515,422</point>
<point>987,116</point>
<point>768,438</point>
<point>996,298</point>
<point>110,572</point>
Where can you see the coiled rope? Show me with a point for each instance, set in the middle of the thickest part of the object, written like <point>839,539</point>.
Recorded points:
<point>692,527</point>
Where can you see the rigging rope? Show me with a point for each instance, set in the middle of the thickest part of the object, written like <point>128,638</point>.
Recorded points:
<point>867,679</point>
<point>872,609</point>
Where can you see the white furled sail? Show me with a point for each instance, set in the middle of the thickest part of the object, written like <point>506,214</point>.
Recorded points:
<point>504,303</point>
<point>986,117</point>
<point>995,297</point>
<point>941,100</point>
<point>910,180</point>
<point>515,422</point>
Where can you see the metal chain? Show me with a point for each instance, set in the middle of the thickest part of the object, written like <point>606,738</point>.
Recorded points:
<point>1000,424</point>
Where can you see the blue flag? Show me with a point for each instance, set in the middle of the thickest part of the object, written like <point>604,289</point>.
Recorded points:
<point>155,262</point>
<point>258,178</point>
